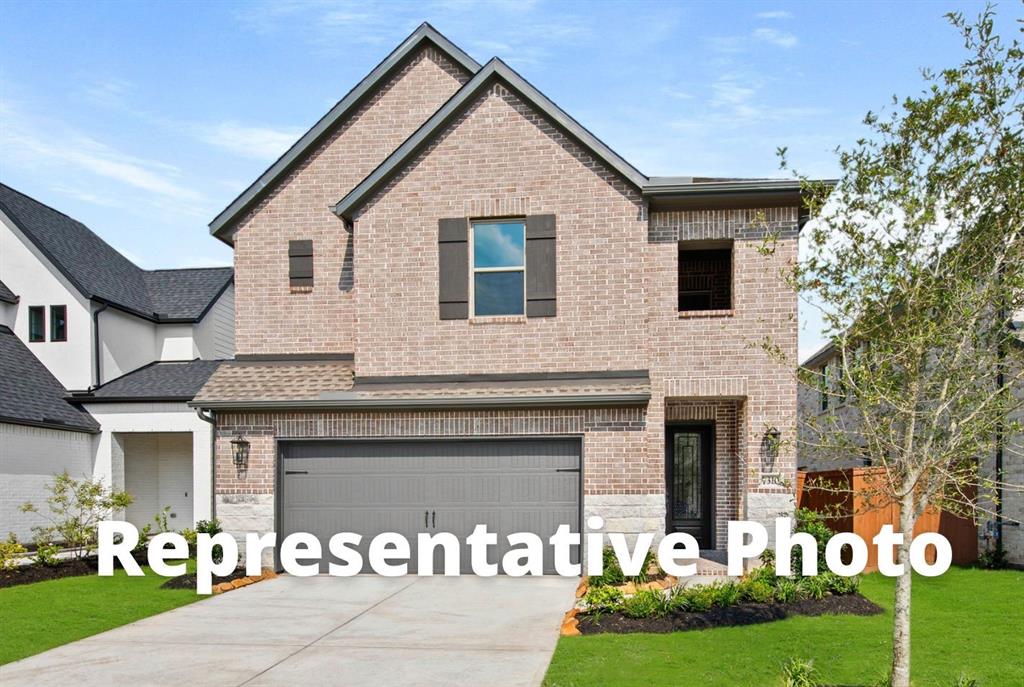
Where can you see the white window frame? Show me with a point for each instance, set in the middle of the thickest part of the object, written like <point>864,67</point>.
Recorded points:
<point>473,269</point>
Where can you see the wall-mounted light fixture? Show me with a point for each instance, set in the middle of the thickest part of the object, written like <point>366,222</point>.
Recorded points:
<point>770,454</point>
<point>240,451</point>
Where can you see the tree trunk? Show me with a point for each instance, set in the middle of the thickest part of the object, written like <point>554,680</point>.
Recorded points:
<point>900,673</point>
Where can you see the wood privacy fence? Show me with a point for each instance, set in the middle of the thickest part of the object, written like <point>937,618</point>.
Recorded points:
<point>849,512</point>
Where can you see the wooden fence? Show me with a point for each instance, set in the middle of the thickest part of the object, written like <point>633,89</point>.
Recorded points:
<point>853,514</point>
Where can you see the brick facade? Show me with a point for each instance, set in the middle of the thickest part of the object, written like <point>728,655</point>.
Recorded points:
<point>617,302</point>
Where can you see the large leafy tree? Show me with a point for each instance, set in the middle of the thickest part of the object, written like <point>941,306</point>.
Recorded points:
<point>916,260</point>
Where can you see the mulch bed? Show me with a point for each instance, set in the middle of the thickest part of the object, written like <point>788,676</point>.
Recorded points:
<point>68,567</point>
<point>740,614</point>
<point>189,581</point>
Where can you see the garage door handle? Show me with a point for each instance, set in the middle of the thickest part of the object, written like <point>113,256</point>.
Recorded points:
<point>567,469</point>
<point>426,515</point>
<point>296,472</point>
<point>433,518</point>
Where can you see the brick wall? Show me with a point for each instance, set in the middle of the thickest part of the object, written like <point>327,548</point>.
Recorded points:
<point>269,317</point>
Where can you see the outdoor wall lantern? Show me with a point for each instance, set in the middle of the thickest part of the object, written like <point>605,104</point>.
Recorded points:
<point>770,454</point>
<point>240,449</point>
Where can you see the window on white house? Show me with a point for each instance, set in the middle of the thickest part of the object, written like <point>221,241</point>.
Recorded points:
<point>37,323</point>
<point>499,268</point>
<point>58,323</point>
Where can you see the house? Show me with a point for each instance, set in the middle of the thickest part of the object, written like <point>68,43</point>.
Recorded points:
<point>1002,525</point>
<point>131,345</point>
<point>457,306</point>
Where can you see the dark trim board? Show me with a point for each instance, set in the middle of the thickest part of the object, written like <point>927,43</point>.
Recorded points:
<point>279,469</point>
<point>345,400</point>
<point>501,377</point>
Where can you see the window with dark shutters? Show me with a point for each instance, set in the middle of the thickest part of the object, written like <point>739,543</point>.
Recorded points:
<point>453,268</point>
<point>541,269</point>
<point>300,264</point>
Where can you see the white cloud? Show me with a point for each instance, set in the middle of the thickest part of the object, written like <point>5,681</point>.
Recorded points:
<point>774,14</point>
<point>677,93</point>
<point>775,37</point>
<point>259,142</point>
<point>108,92</point>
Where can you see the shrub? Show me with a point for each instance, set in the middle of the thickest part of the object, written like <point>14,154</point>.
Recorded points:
<point>837,584</point>
<point>727,594</point>
<point>644,604</point>
<point>46,553</point>
<point>964,681</point>
<point>814,587</point>
<point>75,509</point>
<point>812,523</point>
<point>10,551</point>
<point>212,527</point>
<point>764,574</point>
<point>799,672</point>
<point>786,590</point>
<point>758,591</point>
<point>612,574</point>
<point>189,535</point>
<point>144,533</point>
<point>603,599</point>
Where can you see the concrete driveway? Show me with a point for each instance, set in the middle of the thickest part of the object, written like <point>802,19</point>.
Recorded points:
<point>327,631</point>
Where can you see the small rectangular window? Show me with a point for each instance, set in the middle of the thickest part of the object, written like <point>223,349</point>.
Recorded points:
<point>705,276</point>
<point>58,323</point>
<point>499,268</point>
<point>825,390</point>
<point>300,264</point>
<point>37,323</point>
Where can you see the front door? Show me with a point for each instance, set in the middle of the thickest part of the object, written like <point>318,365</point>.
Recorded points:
<point>689,465</point>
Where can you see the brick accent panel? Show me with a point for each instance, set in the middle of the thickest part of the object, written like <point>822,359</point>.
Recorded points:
<point>270,318</point>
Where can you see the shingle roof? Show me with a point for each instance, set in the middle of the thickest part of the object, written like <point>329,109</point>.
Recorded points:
<point>328,384</point>
<point>6,294</point>
<point>30,395</point>
<point>162,380</point>
<point>100,272</point>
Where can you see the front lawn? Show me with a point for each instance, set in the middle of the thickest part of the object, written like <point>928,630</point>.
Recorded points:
<point>969,621</point>
<point>36,617</point>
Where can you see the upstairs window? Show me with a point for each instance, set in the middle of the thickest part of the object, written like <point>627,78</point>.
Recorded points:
<point>499,268</point>
<point>37,323</point>
<point>58,323</point>
<point>705,276</point>
<point>825,389</point>
<point>300,265</point>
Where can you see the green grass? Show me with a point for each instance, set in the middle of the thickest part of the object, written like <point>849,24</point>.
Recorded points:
<point>36,617</point>
<point>965,621</point>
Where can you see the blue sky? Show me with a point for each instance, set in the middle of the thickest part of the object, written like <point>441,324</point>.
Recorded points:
<point>145,119</point>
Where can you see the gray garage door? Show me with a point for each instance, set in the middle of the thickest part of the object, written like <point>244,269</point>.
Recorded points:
<point>369,487</point>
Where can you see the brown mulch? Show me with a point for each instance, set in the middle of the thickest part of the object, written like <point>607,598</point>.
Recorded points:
<point>67,567</point>
<point>740,614</point>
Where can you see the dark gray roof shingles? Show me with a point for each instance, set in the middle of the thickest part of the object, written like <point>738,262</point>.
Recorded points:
<point>30,395</point>
<point>99,271</point>
<point>165,380</point>
<point>6,295</point>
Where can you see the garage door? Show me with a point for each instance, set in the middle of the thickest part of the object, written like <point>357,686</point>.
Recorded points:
<point>369,487</point>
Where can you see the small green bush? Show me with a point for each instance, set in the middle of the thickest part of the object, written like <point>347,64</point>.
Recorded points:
<point>728,594</point>
<point>964,681</point>
<point>46,554</point>
<point>644,604</point>
<point>611,574</point>
<point>189,535</point>
<point>839,585</point>
<point>786,590</point>
<point>758,591</point>
<point>212,527</point>
<point>10,551</point>
<point>814,587</point>
<point>799,672</point>
<point>812,523</point>
<point>603,599</point>
<point>764,574</point>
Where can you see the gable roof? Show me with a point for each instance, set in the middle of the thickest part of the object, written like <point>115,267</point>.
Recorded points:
<point>221,224</point>
<point>494,70</point>
<point>30,395</point>
<point>6,295</point>
<point>101,273</point>
<point>177,380</point>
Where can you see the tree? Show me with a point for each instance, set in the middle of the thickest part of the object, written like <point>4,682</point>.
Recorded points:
<point>916,259</point>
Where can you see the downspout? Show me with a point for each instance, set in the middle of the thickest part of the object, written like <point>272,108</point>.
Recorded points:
<point>97,362</point>
<point>210,417</point>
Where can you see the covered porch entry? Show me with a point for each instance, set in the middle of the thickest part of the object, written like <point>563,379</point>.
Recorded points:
<point>158,474</point>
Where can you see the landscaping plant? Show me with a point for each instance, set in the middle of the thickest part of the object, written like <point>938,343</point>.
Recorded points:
<point>915,261</point>
<point>798,672</point>
<point>10,551</point>
<point>74,510</point>
<point>603,600</point>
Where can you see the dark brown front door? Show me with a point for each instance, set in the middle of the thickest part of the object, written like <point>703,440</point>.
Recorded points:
<point>689,462</point>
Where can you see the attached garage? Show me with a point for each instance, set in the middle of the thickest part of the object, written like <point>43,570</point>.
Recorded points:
<point>413,486</point>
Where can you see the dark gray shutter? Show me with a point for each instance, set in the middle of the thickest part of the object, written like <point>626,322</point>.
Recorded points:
<point>300,263</point>
<point>453,268</point>
<point>540,266</point>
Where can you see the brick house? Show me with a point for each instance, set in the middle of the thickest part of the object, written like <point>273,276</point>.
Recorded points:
<point>455,305</point>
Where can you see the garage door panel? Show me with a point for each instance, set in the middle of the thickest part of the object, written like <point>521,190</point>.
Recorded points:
<point>370,487</point>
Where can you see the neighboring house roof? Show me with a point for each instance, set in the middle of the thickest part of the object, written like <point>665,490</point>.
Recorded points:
<point>101,273</point>
<point>6,295</point>
<point>30,395</point>
<point>820,357</point>
<point>330,384</point>
<point>495,70</point>
<point>221,224</point>
<point>167,380</point>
